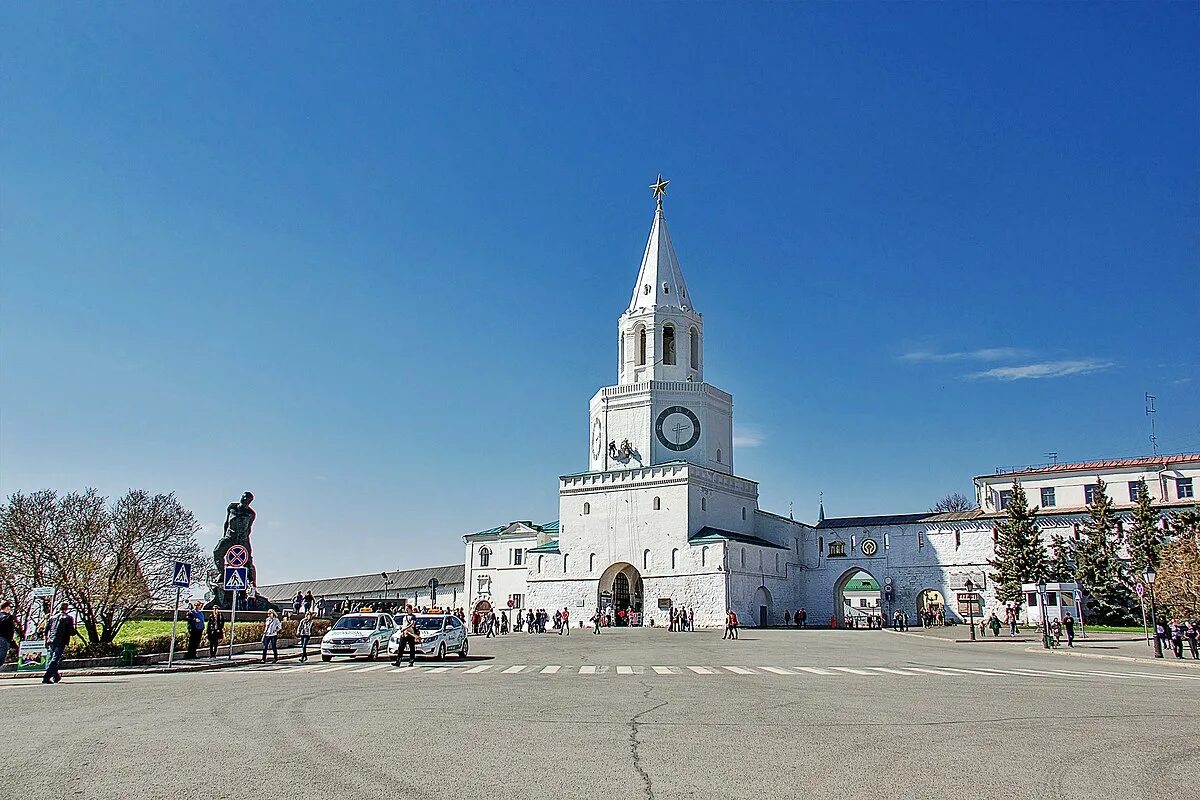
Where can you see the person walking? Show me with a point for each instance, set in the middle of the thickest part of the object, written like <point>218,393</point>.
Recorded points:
<point>596,620</point>
<point>59,630</point>
<point>1069,625</point>
<point>270,640</point>
<point>297,602</point>
<point>408,638</point>
<point>691,619</point>
<point>304,633</point>
<point>1193,638</point>
<point>565,630</point>
<point>310,603</point>
<point>195,627</point>
<point>734,619</point>
<point>1177,637</point>
<point>8,630</point>
<point>1011,613</point>
<point>214,631</point>
<point>728,624</point>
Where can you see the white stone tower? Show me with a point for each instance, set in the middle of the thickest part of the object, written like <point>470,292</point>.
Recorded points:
<point>661,410</point>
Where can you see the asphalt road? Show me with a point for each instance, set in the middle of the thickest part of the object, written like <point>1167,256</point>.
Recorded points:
<point>627,714</point>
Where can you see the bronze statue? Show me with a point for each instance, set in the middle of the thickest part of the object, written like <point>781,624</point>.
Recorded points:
<point>239,519</point>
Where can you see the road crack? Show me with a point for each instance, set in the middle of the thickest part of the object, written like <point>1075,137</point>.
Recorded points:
<point>635,744</point>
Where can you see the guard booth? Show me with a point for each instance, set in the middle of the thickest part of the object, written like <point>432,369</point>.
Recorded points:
<point>1060,600</point>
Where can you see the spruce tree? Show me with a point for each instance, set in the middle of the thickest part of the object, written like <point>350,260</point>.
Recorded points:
<point>1020,554</point>
<point>1144,538</point>
<point>1061,567</point>
<point>1102,574</point>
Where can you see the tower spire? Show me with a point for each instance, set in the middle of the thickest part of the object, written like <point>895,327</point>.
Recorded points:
<point>660,280</point>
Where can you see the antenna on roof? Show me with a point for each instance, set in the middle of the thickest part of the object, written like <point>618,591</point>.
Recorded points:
<point>1053,456</point>
<point>1150,412</point>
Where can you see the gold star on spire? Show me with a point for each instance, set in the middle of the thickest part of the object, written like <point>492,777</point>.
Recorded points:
<point>659,189</point>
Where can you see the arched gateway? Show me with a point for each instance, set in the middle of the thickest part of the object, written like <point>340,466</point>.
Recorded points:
<point>619,592</point>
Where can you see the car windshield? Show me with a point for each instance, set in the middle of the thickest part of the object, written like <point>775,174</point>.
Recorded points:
<point>429,623</point>
<point>355,624</point>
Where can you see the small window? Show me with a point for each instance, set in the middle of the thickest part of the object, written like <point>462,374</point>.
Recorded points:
<point>540,563</point>
<point>517,557</point>
<point>1089,493</point>
<point>704,556</point>
<point>957,539</point>
<point>704,504</point>
<point>645,559</point>
<point>666,288</point>
<point>1133,491</point>
<point>743,512</point>
<point>995,536</point>
<point>887,541</point>
<point>1031,599</point>
<point>485,556</point>
<point>694,349</point>
<point>837,549</point>
<point>641,353</point>
<point>646,289</point>
<point>777,562</point>
<point>564,562</point>
<point>920,539</point>
<point>657,504</point>
<point>743,556</point>
<point>587,508</point>
<point>853,543</point>
<point>1048,497</point>
<point>1051,598</point>
<point>1075,530</point>
<point>1005,498</point>
<point>669,345</point>
<point>592,563</point>
<point>674,557</point>
<point>821,543</point>
<point>1183,488</point>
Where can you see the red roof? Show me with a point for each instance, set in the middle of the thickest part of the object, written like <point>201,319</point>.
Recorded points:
<point>1159,462</point>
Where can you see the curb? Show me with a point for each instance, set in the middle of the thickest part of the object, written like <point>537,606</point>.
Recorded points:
<point>114,671</point>
<point>1173,662</point>
<point>944,640</point>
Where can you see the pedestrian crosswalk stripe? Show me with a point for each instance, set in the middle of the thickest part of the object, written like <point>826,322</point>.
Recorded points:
<point>663,670</point>
<point>438,670</point>
<point>892,671</point>
<point>372,668</point>
<point>513,669</point>
<point>778,670</point>
<point>930,670</point>
<point>853,671</point>
<point>703,670</point>
<point>551,670</point>
<point>480,668</point>
<point>1167,677</point>
<point>587,670</point>
<point>624,670</point>
<point>741,671</point>
<point>335,669</point>
<point>815,670</point>
<point>972,672</point>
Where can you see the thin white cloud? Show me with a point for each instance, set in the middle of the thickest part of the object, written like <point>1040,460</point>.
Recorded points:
<point>1045,369</point>
<point>982,354</point>
<point>748,436</point>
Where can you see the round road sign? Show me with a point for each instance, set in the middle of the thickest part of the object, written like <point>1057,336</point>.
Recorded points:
<point>1141,590</point>
<point>236,556</point>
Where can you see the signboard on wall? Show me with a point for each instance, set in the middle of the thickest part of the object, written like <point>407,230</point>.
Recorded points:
<point>664,604</point>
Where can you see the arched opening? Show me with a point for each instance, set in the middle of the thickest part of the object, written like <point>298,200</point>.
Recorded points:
<point>668,344</point>
<point>857,601</point>
<point>619,594</point>
<point>718,455</point>
<point>704,504</point>
<point>587,508</point>
<point>592,563</point>
<point>657,504</point>
<point>704,556</point>
<point>674,557</point>
<point>645,559</point>
<point>931,608</point>
<point>694,350</point>
<point>762,606</point>
<point>483,607</point>
<point>485,556</point>
<point>540,563</point>
<point>641,351</point>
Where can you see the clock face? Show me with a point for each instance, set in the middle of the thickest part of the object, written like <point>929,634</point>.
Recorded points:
<point>597,437</point>
<point>677,428</point>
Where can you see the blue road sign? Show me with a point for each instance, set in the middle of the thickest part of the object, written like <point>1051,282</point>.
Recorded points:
<point>181,577</point>
<point>236,578</point>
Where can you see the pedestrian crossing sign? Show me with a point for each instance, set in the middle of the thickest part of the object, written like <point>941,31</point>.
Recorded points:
<point>181,576</point>
<point>236,579</point>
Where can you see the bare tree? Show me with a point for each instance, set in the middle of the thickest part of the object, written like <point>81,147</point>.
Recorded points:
<point>955,501</point>
<point>25,521</point>
<point>108,562</point>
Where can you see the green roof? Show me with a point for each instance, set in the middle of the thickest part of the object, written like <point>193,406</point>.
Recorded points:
<point>861,585</point>
<point>548,547</point>
<point>707,534</point>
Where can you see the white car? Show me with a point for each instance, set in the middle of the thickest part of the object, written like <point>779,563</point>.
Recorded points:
<point>440,634</point>
<point>358,635</point>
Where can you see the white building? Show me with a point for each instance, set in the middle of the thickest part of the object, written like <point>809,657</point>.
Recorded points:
<point>660,517</point>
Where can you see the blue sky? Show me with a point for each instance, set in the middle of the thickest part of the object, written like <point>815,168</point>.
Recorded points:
<point>368,263</point>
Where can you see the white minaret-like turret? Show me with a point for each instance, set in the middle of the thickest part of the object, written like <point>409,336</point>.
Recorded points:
<point>660,410</point>
<point>661,334</point>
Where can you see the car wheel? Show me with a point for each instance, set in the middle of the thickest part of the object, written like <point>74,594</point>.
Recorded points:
<point>463,652</point>
<point>441,656</point>
<point>374,651</point>
<point>327,658</point>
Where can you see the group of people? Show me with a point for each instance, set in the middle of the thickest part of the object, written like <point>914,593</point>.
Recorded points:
<point>798,620</point>
<point>731,625</point>
<point>682,619</point>
<point>1173,634</point>
<point>490,623</point>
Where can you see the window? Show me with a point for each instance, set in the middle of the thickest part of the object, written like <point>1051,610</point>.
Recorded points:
<point>821,544</point>
<point>621,339</point>
<point>1051,598</point>
<point>592,563</point>
<point>1089,493</point>
<point>1031,599</point>
<point>853,543</point>
<point>1183,488</point>
<point>704,556</point>
<point>1048,497</point>
<point>887,541</point>
<point>1133,491</point>
<point>920,539</point>
<point>587,508</point>
<point>704,504</point>
<point>718,455</point>
<point>694,349</point>
<point>1075,530</point>
<point>485,556</point>
<point>657,504</point>
<point>837,549</point>
<point>1005,498</point>
<point>743,512</point>
<point>957,539</point>
<point>777,562</point>
<point>674,557</point>
<point>564,562</point>
<point>862,602</point>
<point>517,557</point>
<point>518,600</point>
<point>645,559</point>
<point>641,353</point>
<point>995,536</point>
<point>666,288</point>
<point>743,556</point>
<point>669,345</point>
<point>540,563</point>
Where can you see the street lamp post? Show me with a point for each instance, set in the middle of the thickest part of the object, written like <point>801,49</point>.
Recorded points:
<point>971,606</point>
<point>387,585</point>
<point>1041,588</point>
<point>1149,575</point>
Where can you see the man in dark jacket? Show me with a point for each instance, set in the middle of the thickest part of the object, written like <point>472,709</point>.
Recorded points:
<point>8,630</point>
<point>195,626</point>
<point>59,630</point>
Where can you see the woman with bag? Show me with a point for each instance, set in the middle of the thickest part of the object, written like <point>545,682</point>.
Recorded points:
<point>270,639</point>
<point>304,633</point>
<point>214,630</point>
